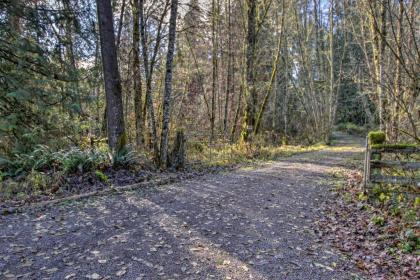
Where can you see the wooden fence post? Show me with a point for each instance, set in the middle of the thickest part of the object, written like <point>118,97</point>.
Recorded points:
<point>366,173</point>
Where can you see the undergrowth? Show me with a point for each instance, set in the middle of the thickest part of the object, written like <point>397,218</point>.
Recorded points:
<point>352,129</point>
<point>231,154</point>
<point>392,209</point>
<point>44,171</point>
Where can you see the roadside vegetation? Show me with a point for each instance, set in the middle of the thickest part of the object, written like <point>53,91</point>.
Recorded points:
<point>378,226</point>
<point>44,174</point>
<point>378,232</point>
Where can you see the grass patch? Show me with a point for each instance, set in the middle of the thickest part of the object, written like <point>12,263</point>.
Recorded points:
<point>228,155</point>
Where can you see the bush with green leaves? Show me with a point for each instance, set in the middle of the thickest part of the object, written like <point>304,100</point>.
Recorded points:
<point>72,160</point>
<point>127,156</point>
<point>43,158</point>
<point>77,160</point>
<point>412,241</point>
<point>378,220</point>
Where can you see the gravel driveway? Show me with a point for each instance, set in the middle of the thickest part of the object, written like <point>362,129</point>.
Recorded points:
<point>252,223</point>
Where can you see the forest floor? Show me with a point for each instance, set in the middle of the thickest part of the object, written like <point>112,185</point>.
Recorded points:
<point>250,223</point>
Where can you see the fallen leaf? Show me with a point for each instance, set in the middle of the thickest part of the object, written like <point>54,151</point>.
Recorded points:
<point>121,272</point>
<point>71,275</point>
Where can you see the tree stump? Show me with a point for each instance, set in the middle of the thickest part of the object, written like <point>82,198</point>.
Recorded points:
<point>176,159</point>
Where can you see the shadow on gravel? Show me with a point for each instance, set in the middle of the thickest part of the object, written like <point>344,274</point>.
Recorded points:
<point>248,224</point>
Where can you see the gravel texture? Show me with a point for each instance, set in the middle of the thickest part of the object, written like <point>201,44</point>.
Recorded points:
<point>252,223</point>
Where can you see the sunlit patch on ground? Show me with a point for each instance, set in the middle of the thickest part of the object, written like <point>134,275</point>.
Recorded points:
<point>253,223</point>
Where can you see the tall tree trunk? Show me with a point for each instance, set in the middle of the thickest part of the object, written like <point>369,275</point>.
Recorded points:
<point>382,66</point>
<point>365,100</point>
<point>378,47</point>
<point>249,118</point>
<point>273,76</point>
<point>168,85</point>
<point>149,69</point>
<point>229,81</point>
<point>115,115</point>
<point>137,85</point>
<point>237,113</point>
<point>214,70</point>
<point>331,99</point>
<point>398,78</point>
<point>285,106</point>
<point>74,86</point>
<point>14,13</point>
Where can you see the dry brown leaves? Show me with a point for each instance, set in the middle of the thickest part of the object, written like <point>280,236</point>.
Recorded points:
<point>348,226</point>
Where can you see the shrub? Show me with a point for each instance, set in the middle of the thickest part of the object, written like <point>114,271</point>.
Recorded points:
<point>378,220</point>
<point>9,189</point>
<point>125,157</point>
<point>39,159</point>
<point>351,128</point>
<point>43,159</point>
<point>196,146</point>
<point>75,160</point>
<point>412,241</point>
<point>37,181</point>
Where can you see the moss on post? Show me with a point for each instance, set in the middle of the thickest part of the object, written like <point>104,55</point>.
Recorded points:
<point>400,146</point>
<point>376,137</point>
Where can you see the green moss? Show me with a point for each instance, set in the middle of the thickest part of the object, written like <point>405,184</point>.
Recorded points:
<point>417,202</point>
<point>376,137</point>
<point>395,146</point>
<point>101,176</point>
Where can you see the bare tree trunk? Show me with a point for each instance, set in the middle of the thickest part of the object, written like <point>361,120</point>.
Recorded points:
<point>365,100</point>
<point>273,76</point>
<point>378,47</point>
<point>249,118</point>
<point>237,113</point>
<point>115,115</point>
<point>148,69</point>
<point>168,85</point>
<point>331,98</point>
<point>286,93</point>
<point>398,81</point>
<point>137,85</point>
<point>229,81</point>
<point>384,115</point>
<point>214,71</point>
<point>75,93</point>
<point>382,66</point>
<point>14,11</point>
